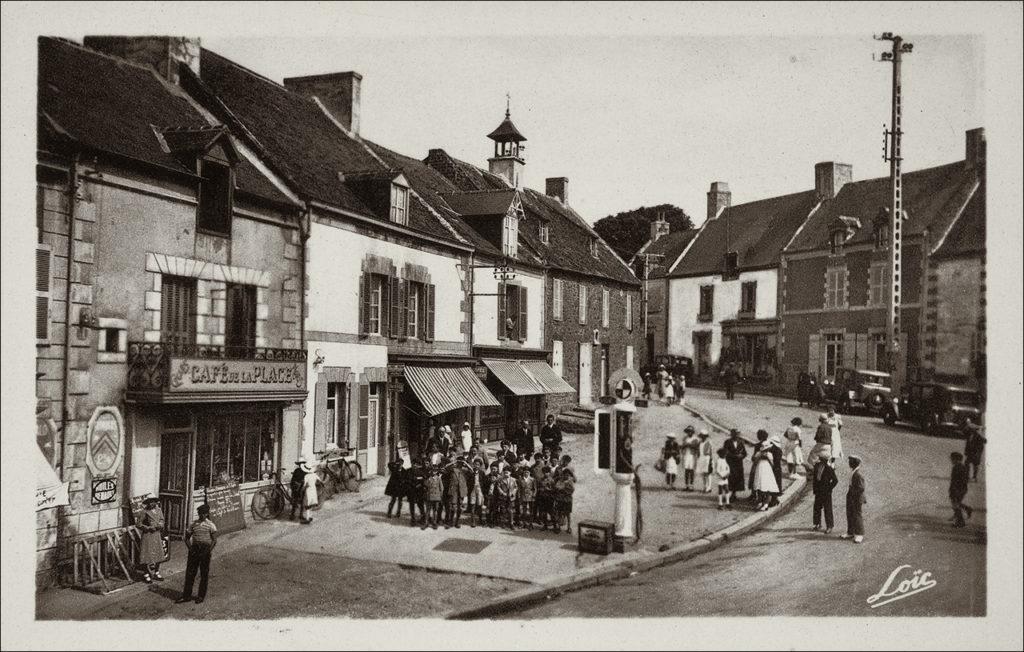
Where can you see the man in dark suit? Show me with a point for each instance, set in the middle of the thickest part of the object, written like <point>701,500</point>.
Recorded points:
<point>855,502</point>
<point>729,377</point>
<point>824,481</point>
<point>523,439</point>
<point>958,490</point>
<point>550,434</point>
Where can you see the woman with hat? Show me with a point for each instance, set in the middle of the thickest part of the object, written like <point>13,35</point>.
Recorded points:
<point>670,459</point>
<point>151,549</point>
<point>793,451</point>
<point>822,441</point>
<point>467,438</point>
<point>309,496</point>
<point>705,459</point>
<point>690,450</point>
<point>735,453</point>
<point>764,485</point>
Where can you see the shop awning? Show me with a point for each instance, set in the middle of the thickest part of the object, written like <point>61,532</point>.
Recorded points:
<point>546,376</point>
<point>513,376</point>
<point>442,390</point>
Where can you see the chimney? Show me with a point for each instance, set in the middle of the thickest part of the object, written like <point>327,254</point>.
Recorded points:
<point>719,198</point>
<point>339,93</point>
<point>659,227</point>
<point>162,53</point>
<point>975,154</point>
<point>830,177</point>
<point>557,187</point>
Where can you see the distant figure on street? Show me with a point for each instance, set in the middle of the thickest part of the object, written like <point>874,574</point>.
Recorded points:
<point>855,502</point>
<point>822,441</point>
<point>792,450</point>
<point>764,485</point>
<point>958,490</point>
<point>565,486</point>
<point>729,377</point>
<point>705,460</point>
<point>974,447</point>
<point>527,512</point>
<point>691,448</point>
<point>824,480</point>
<point>660,380</point>
<point>200,539</point>
<point>670,454</point>
<point>668,391</point>
<point>396,488</point>
<point>803,389</point>
<point>722,474</point>
<point>735,453</point>
<point>680,389</point>
<point>646,392</point>
<point>550,434</point>
<point>775,450</point>
<point>836,423</point>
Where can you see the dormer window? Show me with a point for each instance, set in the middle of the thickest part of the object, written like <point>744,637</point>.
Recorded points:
<point>593,247</point>
<point>510,236</point>
<point>544,234</point>
<point>730,265</point>
<point>835,242</point>
<point>881,229</point>
<point>399,204</point>
<point>215,198</point>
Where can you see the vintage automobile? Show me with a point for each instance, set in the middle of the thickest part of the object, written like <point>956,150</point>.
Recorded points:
<point>937,408</point>
<point>860,389</point>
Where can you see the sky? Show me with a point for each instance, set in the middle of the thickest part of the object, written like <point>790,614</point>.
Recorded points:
<point>643,120</point>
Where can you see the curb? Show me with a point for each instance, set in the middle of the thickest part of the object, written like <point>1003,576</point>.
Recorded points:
<point>621,568</point>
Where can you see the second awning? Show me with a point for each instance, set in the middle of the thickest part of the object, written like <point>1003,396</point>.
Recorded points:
<point>442,389</point>
<point>546,376</point>
<point>513,376</point>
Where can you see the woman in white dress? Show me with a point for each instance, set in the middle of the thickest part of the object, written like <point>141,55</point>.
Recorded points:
<point>764,477</point>
<point>792,450</point>
<point>670,455</point>
<point>836,423</point>
<point>690,447</point>
<point>667,393</point>
<point>705,459</point>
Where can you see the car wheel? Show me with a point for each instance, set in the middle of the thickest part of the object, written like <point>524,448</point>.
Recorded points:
<point>931,425</point>
<point>889,418</point>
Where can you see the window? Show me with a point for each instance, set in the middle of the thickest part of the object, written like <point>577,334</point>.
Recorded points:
<point>593,247</point>
<point>178,311</point>
<point>835,242</point>
<point>240,319</point>
<point>606,301</point>
<point>375,296</point>
<point>833,353</point>
<point>413,305</point>
<point>43,260</point>
<point>748,299</point>
<point>730,265</point>
<point>878,279</point>
<point>881,234</point>
<point>583,304</point>
<point>544,234</point>
<point>629,312</point>
<point>835,288</point>
<point>510,236</point>
<point>556,357</point>
<point>512,313</point>
<point>556,299</point>
<point>336,432</point>
<point>215,190</point>
<point>111,340</point>
<point>234,448</point>
<point>877,356</point>
<point>399,204</point>
<point>707,302</point>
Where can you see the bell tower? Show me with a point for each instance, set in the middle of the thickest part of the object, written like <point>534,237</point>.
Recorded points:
<point>508,159</point>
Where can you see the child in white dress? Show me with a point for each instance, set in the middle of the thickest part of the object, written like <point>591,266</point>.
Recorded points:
<point>705,460</point>
<point>793,452</point>
<point>722,475</point>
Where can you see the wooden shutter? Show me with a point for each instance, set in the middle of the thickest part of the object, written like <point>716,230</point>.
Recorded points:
<point>428,326</point>
<point>521,326</point>
<point>365,288</point>
<point>502,310</point>
<point>43,260</point>
<point>396,303</point>
<point>861,351</point>
<point>814,353</point>
<point>385,305</point>
<point>320,414</point>
<point>178,311</point>
<point>414,312</point>
<point>364,416</point>
<point>849,349</point>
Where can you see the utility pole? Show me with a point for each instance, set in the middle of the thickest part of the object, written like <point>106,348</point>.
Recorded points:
<point>894,155</point>
<point>650,260</point>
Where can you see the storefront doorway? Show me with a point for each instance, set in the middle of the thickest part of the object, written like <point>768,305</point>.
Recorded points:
<point>176,479</point>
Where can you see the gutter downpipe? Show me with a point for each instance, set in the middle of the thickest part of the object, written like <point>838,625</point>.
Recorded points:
<point>64,413</point>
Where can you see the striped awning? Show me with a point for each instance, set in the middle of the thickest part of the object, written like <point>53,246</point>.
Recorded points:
<point>546,376</point>
<point>442,390</point>
<point>513,376</point>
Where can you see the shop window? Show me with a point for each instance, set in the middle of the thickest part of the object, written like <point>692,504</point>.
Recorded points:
<point>240,320</point>
<point>707,303</point>
<point>215,197</point>
<point>336,432</point>
<point>235,448</point>
<point>178,311</point>
<point>399,204</point>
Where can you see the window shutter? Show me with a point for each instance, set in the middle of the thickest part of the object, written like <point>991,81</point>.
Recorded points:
<point>814,353</point>
<point>43,258</point>
<point>320,415</point>
<point>861,351</point>
<point>502,312</point>
<point>364,416</point>
<point>522,314</point>
<point>385,306</point>
<point>849,349</point>
<point>396,306</point>
<point>411,312</point>
<point>365,288</point>
<point>428,326</point>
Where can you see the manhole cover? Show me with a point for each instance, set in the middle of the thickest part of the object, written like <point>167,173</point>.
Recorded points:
<point>468,546</point>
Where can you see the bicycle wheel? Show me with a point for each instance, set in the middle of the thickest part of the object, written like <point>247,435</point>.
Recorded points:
<point>353,475</point>
<point>267,504</point>
<point>325,486</point>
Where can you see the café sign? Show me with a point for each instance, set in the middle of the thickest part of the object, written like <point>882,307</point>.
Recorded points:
<point>192,375</point>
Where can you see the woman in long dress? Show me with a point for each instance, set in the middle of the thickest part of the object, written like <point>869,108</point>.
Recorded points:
<point>309,495</point>
<point>705,459</point>
<point>735,453</point>
<point>667,392</point>
<point>151,550</point>
<point>690,449</point>
<point>764,476</point>
<point>792,450</point>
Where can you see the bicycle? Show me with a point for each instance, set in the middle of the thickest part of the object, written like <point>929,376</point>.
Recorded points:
<point>336,472</point>
<point>270,502</point>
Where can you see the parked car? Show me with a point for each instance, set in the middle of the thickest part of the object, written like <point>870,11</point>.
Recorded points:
<point>861,389</point>
<point>937,408</point>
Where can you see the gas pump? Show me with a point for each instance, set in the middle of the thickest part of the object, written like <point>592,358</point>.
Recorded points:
<point>613,448</point>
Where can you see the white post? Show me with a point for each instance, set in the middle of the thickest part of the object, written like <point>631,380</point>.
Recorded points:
<point>624,517</point>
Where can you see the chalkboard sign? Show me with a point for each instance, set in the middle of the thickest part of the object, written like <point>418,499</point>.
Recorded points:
<point>226,508</point>
<point>136,508</point>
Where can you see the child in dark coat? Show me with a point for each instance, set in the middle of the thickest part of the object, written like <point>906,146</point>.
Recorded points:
<point>397,487</point>
<point>545,497</point>
<point>565,485</point>
<point>434,489</point>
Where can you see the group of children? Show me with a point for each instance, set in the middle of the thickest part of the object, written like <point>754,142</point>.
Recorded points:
<point>511,491</point>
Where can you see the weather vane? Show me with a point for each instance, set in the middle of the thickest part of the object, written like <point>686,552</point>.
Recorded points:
<point>508,103</point>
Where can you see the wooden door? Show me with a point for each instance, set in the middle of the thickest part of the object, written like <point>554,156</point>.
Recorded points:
<point>176,480</point>
<point>586,360</point>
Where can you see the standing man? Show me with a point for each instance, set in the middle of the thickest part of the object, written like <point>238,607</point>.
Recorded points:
<point>824,482</point>
<point>729,377</point>
<point>958,489</point>
<point>201,539</point>
<point>550,434</point>
<point>523,439</point>
<point>297,483</point>
<point>735,453</point>
<point>974,447</point>
<point>855,502</point>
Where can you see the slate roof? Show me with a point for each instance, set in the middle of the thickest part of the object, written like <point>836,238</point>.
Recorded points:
<point>106,104</point>
<point>757,231</point>
<point>669,247</point>
<point>506,131</point>
<point>932,198</point>
<point>480,202</point>
<point>967,237</point>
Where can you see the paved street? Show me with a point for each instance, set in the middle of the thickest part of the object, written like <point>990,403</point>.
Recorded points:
<point>786,569</point>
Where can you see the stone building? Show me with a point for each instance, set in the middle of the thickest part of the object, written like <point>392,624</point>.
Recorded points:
<point>169,354</point>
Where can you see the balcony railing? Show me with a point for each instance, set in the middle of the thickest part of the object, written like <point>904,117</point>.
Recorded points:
<point>258,369</point>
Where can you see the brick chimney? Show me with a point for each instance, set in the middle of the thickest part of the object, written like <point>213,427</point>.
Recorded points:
<point>719,198</point>
<point>659,228</point>
<point>557,187</point>
<point>339,92</point>
<point>975,153</point>
<point>162,53</point>
<point>830,177</point>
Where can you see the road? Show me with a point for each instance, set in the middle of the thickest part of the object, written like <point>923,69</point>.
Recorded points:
<point>787,569</point>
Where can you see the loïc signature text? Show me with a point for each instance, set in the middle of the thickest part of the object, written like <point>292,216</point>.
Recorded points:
<point>896,589</point>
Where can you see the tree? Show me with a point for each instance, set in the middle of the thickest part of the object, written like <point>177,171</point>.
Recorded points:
<point>627,231</point>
